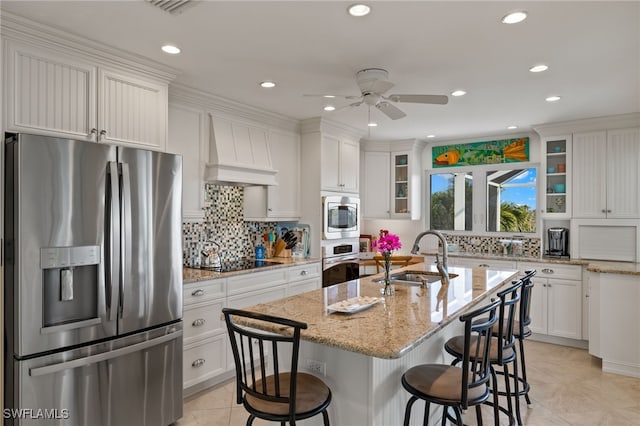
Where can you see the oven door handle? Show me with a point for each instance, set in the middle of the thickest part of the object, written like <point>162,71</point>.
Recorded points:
<point>342,259</point>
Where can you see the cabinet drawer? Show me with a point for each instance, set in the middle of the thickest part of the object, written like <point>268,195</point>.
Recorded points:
<point>203,320</point>
<point>256,280</point>
<point>553,270</point>
<point>304,272</point>
<point>484,263</point>
<point>303,286</point>
<point>204,360</point>
<point>255,297</point>
<point>203,290</point>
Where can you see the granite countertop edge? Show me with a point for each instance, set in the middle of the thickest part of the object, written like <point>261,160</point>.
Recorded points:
<point>192,275</point>
<point>602,266</point>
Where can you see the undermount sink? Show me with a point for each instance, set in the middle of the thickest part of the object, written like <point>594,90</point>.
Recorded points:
<point>414,278</point>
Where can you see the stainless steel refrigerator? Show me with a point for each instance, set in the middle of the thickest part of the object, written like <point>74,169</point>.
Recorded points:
<point>93,284</point>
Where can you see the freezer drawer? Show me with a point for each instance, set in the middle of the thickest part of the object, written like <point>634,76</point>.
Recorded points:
<point>132,381</point>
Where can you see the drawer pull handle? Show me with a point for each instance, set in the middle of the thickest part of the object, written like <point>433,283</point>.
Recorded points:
<point>198,363</point>
<point>303,272</point>
<point>199,292</point>
<point>547,271</point>
<point>199,322</point>
<point>484,265</point>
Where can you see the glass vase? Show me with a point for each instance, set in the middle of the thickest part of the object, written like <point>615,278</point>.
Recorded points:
<point>387,290</point>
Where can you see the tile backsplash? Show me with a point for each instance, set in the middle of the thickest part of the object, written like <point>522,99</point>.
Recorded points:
<point>223,223</point>
<point>507,245</point>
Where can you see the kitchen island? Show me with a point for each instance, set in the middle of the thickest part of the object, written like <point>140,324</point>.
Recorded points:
<point>362,355</point>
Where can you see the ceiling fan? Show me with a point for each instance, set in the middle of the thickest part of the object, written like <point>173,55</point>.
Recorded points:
<point>373,83</point>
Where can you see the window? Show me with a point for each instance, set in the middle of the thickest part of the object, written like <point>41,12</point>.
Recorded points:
<point>452,201</point>
<point>495,198</point>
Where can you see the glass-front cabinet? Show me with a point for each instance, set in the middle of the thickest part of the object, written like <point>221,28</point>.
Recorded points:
<point>401,184</point>
<point>556,158</point>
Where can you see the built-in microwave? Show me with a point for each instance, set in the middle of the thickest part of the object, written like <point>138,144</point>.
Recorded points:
<point>341,217</point>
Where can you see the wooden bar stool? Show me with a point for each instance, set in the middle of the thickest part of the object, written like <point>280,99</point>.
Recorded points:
<point>265,391</point>
<point>452,386</point>
<point>501,353</point>
<point>395,260</point>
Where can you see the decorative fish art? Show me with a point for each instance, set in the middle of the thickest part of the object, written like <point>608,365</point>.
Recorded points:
<point>490,154</point>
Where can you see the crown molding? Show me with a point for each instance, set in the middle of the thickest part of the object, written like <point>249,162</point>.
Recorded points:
<point>589,124</point>
<point>18,28</point>
<point>217,105</point>
<point>323,125</point>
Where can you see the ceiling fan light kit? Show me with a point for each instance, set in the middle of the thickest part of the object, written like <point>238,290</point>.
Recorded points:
<point>373,83</point>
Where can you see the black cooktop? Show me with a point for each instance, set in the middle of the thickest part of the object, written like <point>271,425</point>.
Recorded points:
<point>240,265</point>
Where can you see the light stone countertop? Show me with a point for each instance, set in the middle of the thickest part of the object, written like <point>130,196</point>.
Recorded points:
<point>602,266</point>
<point>190,275</point>
<point>397,323</point>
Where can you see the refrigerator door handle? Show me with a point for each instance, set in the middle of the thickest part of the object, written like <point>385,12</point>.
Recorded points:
<point>126,295</point>
<point>112,268</point>
<point>104,356</point>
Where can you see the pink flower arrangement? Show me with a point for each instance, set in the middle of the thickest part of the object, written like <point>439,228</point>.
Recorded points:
<point>387,243</point>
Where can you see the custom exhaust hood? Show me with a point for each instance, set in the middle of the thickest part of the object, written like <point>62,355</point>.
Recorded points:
<point>239,154</point>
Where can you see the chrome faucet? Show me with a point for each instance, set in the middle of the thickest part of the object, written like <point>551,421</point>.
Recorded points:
<point>441,266</point>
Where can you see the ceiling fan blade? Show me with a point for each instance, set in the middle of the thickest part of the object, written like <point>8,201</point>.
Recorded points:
<point>390,110</point>
<point>420,99</point>
<point>329,96</point>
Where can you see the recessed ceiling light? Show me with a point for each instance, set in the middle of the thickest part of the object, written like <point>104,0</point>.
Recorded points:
<point>329,96</point>
<point>514,17</point>
<point>538,68</point>
<point>170,49</point>
<point>267,84</point>
<point>512,127</point>
<point>329,108</point>
<point>553,98</point>
<point>372,124</point>
<point>431,136</point>
<point>359,10</point>
<point>458,93</point>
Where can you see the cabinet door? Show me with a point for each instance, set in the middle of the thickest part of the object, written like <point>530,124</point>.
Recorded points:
<point>564,300</point>
<point>376,185</point>
<point>539,306</point>
<point>349,165</point>
<point>589,175</point>
<point>401,185</point>
<point>132,111</point>
<point>331,164</point>
<point>283,200</point>
<point>187,127</point>
<point>623,176</point>
<point>49,94</point>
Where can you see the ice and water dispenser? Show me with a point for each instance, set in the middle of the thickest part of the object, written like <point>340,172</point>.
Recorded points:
<point>70,284</point>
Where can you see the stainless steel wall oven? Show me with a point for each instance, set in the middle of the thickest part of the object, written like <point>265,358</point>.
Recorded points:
<point>340,262</point>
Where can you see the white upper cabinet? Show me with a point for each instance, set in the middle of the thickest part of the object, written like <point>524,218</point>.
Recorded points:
<point>375,196</point>
<point>58,94</point>
<point>281,201</point>
<point>556,166</point>
<point>340,164</point>
<point>187,137</point>
<point>606,177</point>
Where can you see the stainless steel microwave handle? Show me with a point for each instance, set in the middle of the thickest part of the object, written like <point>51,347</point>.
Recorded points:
<point>112,267</point>
<point>105,356</point>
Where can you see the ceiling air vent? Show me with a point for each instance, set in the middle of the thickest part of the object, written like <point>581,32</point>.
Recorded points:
<point>173,6</point>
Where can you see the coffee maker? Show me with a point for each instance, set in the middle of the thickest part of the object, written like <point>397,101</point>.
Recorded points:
<point>558,242</point>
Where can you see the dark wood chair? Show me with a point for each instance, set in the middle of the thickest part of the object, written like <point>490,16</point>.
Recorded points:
<point>452,386</point>
<point>269,385</point>
<point>501,353</point>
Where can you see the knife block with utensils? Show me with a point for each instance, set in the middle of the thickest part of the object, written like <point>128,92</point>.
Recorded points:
<point>280,249</point>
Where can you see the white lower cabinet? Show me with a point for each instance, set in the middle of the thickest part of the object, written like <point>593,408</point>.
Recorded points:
<point>483,263</point>
<point>207,352</point>
<point>556,301</point>
<point>204,331</point>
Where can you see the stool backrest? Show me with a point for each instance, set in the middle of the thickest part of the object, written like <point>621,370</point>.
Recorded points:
<point>508,302</point>
<point>257,356</point>
<point>395,260</point>
<point>525,302</point>
<point>476,367</point>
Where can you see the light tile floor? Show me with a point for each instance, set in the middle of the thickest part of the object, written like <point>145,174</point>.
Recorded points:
<point>567,388</point>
